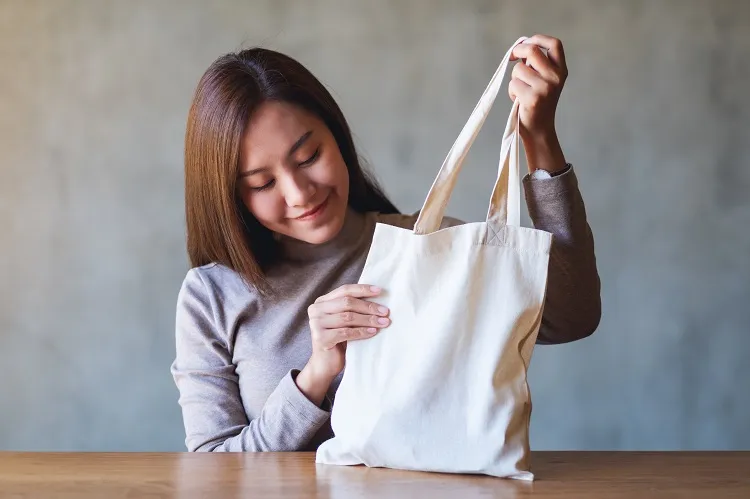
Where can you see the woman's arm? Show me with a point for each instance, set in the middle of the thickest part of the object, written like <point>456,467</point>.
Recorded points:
<point>573,306</point>
<point>213,414</point>
<point>572,309</point>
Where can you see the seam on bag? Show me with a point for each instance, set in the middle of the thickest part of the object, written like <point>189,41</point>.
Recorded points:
<point>502,244</point>
<point>495,235</point>
<point>528,407</point>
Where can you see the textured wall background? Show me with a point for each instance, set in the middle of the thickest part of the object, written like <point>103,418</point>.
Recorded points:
<point>655,116</point>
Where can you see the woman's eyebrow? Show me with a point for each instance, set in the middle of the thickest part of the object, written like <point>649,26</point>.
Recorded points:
<point>299,142</point>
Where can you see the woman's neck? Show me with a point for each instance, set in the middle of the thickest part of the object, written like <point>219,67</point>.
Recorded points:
<point>351,232</point>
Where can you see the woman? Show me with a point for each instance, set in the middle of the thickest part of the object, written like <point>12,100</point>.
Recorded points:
<point>280,216</point>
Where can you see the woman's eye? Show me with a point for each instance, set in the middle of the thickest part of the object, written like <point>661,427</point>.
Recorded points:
<point>263,187</point>
<point>311,159</point>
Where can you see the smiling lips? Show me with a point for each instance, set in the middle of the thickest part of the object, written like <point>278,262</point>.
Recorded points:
<point>315,212</point>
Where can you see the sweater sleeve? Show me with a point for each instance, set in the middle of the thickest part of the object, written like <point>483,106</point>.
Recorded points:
<point>209,394</point>
<point>572,308</point>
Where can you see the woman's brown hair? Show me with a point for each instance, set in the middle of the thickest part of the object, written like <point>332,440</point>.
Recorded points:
<point>219,227</point>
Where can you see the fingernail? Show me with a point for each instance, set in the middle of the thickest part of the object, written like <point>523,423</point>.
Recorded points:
<point>383,310</point>
<point>374,289</point>
<point>372,330</point>
<point>383,321</point>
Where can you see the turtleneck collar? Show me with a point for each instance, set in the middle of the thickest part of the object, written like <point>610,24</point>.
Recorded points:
<point>349,236</point>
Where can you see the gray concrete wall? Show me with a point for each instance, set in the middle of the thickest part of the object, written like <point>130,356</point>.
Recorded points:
<point>655,116</point>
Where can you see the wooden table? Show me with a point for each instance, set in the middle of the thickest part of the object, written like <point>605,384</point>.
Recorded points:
<point>272,475</point>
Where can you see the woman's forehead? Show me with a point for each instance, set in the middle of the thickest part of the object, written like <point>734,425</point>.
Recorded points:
<point>273,131</point>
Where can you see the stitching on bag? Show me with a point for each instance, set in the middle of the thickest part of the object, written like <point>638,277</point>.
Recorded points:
<point>513,247</point>
<point>497,240</point>
<point>495,235</point>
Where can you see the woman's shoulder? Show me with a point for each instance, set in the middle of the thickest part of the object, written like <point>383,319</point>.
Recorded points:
<point>212,276</point>
<point>214,286</point>
<point>210,301</point>
<point>407,221</point>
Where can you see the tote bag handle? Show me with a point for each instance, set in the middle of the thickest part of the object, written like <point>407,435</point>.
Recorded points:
<point>505,203</point>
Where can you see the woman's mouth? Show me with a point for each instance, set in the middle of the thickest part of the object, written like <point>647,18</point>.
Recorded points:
<point>315,212</point>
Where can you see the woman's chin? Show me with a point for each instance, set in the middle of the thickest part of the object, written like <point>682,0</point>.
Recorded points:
<point>323,231</point>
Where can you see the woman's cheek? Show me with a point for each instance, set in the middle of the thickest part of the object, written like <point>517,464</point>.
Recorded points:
<point>264,206</point>
<point>331,172</point>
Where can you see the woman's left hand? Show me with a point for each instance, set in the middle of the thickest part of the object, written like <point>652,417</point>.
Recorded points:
<point>537,82</point>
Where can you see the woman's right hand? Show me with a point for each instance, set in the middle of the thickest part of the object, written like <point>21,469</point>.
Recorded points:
<point>342,315</point>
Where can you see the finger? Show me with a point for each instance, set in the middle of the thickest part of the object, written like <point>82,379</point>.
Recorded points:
<point>351,319</point>
<point>528,75</point>
<point>536,59</point>
<point>517,88</point>
<point>359,333</point>
<point>354,290</point>
<point>554,47</point>
<point>348,304</point>
<point>336,336</point>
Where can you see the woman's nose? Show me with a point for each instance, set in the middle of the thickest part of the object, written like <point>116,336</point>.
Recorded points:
<point>298,190</point>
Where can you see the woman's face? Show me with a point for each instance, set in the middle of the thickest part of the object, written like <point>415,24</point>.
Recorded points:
<point>292,176</point>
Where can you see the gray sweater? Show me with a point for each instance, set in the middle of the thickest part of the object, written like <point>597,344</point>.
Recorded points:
<point>237,355</point>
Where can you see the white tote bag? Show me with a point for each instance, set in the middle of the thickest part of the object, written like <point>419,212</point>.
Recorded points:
<point>444,387</point>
